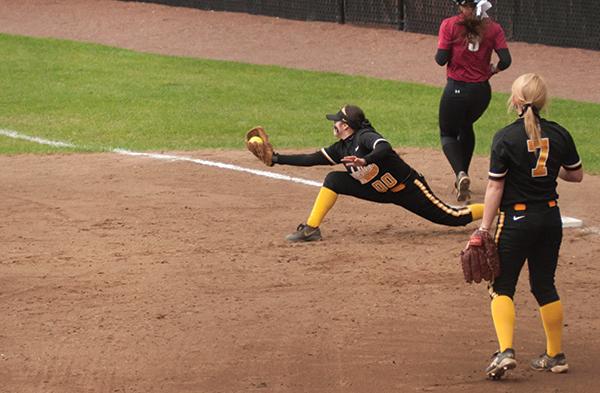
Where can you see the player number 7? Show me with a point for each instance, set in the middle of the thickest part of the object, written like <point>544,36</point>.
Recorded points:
<point>543,145</point>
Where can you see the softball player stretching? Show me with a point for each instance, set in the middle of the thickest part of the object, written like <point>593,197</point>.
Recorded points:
<point>526,158</point>
<point>374,172</point>
<point>465,45</point>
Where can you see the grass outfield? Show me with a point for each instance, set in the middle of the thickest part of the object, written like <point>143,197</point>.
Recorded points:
<point>102,97</point>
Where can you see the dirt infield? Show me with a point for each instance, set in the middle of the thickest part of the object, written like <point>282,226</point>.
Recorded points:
<point>131,275</point>
<point>124,274</point>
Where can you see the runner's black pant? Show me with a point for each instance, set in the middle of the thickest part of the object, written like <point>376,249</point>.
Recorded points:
<point>535,235</point>
<point>416,197</point>
<point>462,103</point>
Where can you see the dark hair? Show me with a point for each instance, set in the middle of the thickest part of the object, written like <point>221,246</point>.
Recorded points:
<point>474,27</point>
<point>349,114</point>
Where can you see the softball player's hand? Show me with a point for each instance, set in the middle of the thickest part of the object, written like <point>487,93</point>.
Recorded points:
<point>354,161</point>
<point>494,69</point>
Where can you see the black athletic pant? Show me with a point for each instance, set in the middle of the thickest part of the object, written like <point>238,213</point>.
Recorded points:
<point>534,234</point>
<point>416,197</point>
<point>462,103</point>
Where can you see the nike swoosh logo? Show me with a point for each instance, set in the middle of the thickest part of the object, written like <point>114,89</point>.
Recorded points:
<point>356,148</point>
<point>517,218</point>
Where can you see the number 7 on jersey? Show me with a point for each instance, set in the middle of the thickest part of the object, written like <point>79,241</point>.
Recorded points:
<point>543,145</point>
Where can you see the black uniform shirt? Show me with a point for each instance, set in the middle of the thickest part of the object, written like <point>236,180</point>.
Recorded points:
<point>360,144</point>
<point>530,171</point>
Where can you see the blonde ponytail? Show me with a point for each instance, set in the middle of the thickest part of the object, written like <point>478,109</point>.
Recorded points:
<point>528,97</point>
<point>532,124</point>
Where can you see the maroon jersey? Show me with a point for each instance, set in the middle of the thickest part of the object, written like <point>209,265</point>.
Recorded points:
<point>470,62</point>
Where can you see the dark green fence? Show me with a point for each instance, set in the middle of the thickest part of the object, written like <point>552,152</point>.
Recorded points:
<point>570,23</point>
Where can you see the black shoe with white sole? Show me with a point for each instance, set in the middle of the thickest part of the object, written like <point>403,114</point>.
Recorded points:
<point>463,184</point>
<point>501,363</point>
<point>304,233</point>
<point>556,364</point>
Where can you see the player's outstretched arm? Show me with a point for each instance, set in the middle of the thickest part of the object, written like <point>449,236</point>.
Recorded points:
<point>257,142</point>
<point>312,159</point>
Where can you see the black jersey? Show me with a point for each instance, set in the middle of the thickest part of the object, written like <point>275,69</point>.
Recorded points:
<point>385,174</point>
<point>530,170</point>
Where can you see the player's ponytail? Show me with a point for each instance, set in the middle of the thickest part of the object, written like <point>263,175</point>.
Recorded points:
<point>532,124</point>
<point>528,98</point>
<point>474,26</point>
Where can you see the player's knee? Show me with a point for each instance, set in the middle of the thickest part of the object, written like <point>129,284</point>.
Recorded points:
<point>447,136</point>
<point>502,289</point>
<point>494,292</point>
<point>545,294</point>
<point>461,222</point>
<point>452,221</point>
<point>335,181</point>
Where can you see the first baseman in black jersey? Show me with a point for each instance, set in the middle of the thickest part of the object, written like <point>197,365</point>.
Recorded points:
<point>527,157</point>
<point>374,172</point>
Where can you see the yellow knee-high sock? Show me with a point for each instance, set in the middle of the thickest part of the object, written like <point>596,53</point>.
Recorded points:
<point>552,318</point>
<point>476,210</point>
<point>325,201</point>
<point>503,313</point>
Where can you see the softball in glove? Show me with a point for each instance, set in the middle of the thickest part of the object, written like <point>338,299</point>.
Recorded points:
<point>257,141</point>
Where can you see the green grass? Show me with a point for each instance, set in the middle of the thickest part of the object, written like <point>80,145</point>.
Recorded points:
<point>101,97</point>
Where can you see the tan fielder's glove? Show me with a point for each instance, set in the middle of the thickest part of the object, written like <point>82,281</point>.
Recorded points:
<point>480,258</point>
<point>257,141</point>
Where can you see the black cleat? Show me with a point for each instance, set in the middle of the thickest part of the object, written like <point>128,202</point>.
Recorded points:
<point>501,363</point>
<point>556,364</point>
<point>463,184</point>
<point>304,233</point>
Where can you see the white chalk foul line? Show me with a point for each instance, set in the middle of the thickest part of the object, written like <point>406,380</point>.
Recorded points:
<point>166,157</point>
<point>35,139</point>
<point>221,165</point>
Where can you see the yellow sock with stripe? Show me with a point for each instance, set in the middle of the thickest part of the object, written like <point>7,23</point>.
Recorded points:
<point>552,318</point>
<point>503,314</point>
<point>476,210</point>
<point>325,201</point>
